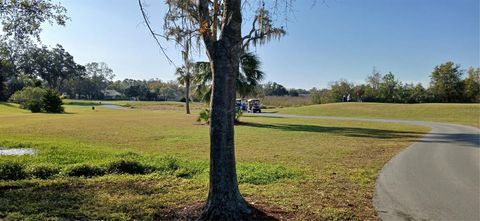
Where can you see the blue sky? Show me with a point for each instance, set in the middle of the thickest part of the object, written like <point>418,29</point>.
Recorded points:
<point>326,42</point>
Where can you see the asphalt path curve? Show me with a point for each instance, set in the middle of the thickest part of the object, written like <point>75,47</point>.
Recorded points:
<point>436,178</point>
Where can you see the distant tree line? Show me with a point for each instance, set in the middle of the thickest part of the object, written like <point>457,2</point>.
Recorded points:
<point>26,64</point>
<point>55,68</point>
<point>448,84</point>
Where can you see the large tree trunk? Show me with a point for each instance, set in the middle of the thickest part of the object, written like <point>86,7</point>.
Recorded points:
<point>224,199</point>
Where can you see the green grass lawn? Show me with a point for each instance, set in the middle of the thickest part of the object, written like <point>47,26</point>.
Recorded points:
<point>467,114</point>
<point>299,169</point>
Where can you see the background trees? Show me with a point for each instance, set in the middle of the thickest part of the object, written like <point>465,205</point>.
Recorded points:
<point>389,89</point>
<point>446,85</point>
<point>274,89</point>
<point>21,27</point>
<point>184,77</point>
<point>471,90</point>
<point>246,83</point>
<point>446,82</point>
<point>54,66</point>
<point>91,83</point>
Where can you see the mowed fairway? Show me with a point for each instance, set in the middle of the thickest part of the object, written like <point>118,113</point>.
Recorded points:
<point>299,169</point>
<point>466,114</point>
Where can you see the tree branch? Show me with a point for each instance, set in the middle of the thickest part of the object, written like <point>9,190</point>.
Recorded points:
<point>205,24</point>
<point>154,35</point>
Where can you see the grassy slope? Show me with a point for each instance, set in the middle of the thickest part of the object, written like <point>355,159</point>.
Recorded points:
<point>339,160</point>
<point>467,114</point>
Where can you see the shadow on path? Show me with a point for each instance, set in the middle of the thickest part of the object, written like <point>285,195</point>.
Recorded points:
<point>466,139</point>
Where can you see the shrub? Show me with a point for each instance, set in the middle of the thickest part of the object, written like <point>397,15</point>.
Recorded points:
<point>37,99</point>
<point>126,166</point>
<point>204,115</point>
<point>12,171</point>
<point>52,103</point>
<point>184,173</point>
<point>29,98</point>
<point>84,170</point>
<point>43,171</point>
<point>238,114</point>
<point>170,164</point>
<point>337,214</point>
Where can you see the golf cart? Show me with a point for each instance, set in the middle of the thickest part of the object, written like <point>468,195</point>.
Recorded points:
<point>240,105</point>
<point>254,106</point>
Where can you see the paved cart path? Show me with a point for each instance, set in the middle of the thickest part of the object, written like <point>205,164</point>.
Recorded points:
<point>436,178</point>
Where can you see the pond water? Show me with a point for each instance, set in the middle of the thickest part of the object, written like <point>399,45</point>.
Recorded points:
<point>16,151</point>
<point>113,106</point>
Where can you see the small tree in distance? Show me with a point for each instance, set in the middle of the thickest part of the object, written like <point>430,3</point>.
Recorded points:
<point>52,103</point>
<point>472,85</point>
<point>184,77</point>
<point>446,82</point>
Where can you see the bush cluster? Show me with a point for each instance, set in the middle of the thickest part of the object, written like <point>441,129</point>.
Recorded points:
<point>12,171</point>
<point>252,173</point>
<point>43,171</point>
<point>37,99</point>
<point>84,170</point>
<point>127,167</point>
<point>204,116</point>
<point>166,165</point>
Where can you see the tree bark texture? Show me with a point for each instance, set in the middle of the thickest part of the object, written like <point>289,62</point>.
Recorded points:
<point>224,199</point>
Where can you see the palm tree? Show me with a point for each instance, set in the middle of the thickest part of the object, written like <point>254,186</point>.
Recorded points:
<point>248,79</point>
<point>184,77</point>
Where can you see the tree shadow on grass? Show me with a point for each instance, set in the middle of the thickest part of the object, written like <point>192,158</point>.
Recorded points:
<point>78,199</point>
<point>341,131</point>
<point>17,107</point>
<point>258,212</point>
<point>7,104</point>
<point>62,200</point>
<point>71,200</point>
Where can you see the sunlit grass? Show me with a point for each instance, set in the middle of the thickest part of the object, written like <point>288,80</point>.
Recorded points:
<point>312,169</point>
<point>467,114</point>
